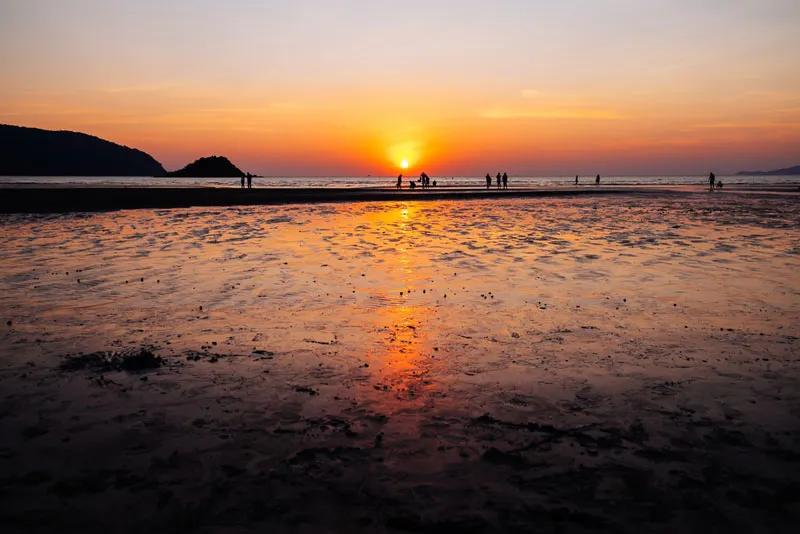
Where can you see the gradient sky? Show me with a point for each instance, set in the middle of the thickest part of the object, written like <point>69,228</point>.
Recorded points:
<point>456,87</point>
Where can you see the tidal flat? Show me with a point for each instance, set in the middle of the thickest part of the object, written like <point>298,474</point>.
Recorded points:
<point>621,364</point>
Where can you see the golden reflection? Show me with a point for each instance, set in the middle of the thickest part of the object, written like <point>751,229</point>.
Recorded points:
<point>404,355</point>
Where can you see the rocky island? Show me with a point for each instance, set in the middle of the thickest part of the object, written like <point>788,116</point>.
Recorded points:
<point>210,167</point>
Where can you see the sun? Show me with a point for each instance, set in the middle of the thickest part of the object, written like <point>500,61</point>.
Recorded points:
<point>404,164</point>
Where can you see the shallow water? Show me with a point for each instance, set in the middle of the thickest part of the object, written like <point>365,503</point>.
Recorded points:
<point>389,181</point>
<point>634,337</point>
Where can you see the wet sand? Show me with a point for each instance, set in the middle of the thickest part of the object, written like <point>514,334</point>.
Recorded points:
<point>48,198</point>
<point>622,363</point>
<point>86,199</point>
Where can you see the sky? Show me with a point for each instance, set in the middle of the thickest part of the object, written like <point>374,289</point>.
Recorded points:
<point>453,87</point>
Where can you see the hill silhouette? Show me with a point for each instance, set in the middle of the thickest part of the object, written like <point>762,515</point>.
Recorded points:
<point>210,167</point>
<point>789,171</point>
<point>36,152</point>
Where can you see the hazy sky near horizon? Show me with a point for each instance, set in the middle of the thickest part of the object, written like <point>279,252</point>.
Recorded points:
<point>302,87</point>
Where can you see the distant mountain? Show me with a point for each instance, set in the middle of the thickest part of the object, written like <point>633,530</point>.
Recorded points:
<point>211,167</point>
<point>35,152</point>
<point>790,171</point>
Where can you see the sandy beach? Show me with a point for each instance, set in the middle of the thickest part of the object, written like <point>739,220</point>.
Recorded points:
<point>623,362</point>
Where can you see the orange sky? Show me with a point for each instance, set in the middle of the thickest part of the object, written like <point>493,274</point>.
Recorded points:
<point>304,88</point>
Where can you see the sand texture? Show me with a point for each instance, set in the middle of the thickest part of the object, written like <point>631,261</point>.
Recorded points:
<point>623,363</point>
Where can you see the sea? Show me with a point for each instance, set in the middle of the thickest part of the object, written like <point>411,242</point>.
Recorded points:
<point>387,181</point>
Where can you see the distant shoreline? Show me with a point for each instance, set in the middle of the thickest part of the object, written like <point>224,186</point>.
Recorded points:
<point>65,199</point>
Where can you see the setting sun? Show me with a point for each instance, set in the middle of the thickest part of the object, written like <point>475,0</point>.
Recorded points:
<point>404,164</point>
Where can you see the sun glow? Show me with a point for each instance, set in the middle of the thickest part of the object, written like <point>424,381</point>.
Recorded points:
<point>404,154</point>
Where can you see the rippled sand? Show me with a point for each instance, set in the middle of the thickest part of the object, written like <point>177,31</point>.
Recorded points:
<point>484,366</point>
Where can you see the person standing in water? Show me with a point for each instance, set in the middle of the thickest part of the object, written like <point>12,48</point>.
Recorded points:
<point>505,181</point>
<point>488,180</point>
<point>597,180</point>
<point>400,182</point>
<point>498,180</point>
<point>711,180</point>
<point>242,181</point>
<point>249,182</point>
<point>576,179</point>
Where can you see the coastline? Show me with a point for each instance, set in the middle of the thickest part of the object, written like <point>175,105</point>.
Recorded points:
<point>70,198</point>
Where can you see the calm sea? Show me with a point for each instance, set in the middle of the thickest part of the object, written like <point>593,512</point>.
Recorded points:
<point>387,181</point>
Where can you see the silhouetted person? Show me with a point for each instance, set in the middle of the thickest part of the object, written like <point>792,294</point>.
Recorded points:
<point>576,179</point>
<point>400,182</point>
<point>242,182</point>
<point>434,183</point>
<point>597,180</point>
<point>249,182</point>
<point>505,181</point>
<point>498,180</point>
<point>412,185</point>
<point>488,181</point>
<point>719,184</point>
<point>711,180</point>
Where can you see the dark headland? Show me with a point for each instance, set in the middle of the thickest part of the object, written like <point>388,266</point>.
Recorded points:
<point>35,152</point>
<point>789,171</point>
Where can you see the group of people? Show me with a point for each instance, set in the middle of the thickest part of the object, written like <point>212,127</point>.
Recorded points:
<point>713,183</point>
<point>424,180</point>
<point>501,179</point>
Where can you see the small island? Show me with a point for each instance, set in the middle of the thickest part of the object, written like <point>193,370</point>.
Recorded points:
<point>789,171</point>
<point>210,167</point>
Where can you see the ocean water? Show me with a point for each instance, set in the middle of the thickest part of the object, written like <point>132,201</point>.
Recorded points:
<point>388,181</point>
